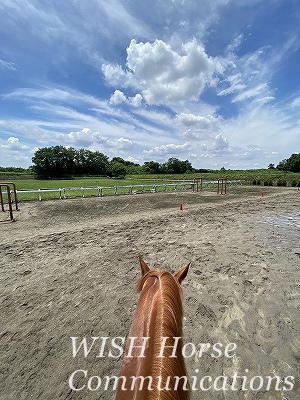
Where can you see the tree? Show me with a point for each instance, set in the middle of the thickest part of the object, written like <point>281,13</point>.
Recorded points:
<point>152,167</point>
<point>292,164</point>
<point>91,163</point>
<point>175,166</point>
<point>118,169</point>
<point>54,162</point>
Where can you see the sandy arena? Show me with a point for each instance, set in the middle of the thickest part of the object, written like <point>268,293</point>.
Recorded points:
<point>68,269</point>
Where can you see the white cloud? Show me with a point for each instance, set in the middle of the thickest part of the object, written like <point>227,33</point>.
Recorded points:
<point>136,101</point>
<point>164,75</point>
<point>8,64</point>
<point>200,128</point>
<point>94,140</point>
<point>295,102</point>
<point>118,97</point>
<point>169,149</point>
<point>14,144</point>
<point>122,143</point>
<point>14,153</point>
<point>116,76</point>
<point>235,44</point>
<point>256,91</point>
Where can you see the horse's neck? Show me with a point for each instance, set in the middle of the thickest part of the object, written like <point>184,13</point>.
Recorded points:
<point>158,314</point>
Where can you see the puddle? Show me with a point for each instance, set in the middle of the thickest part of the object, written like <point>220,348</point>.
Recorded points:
<point>283,230</point>
<point>287,220</point>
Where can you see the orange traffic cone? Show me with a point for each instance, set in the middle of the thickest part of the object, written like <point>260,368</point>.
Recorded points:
<point>180,208</point>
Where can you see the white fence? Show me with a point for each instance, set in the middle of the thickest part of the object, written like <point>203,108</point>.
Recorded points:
<point>64,193</point>
<point>71,192</point>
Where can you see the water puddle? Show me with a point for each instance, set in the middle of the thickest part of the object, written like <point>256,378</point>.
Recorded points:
<point>283,230</point>
<point>287,220</point>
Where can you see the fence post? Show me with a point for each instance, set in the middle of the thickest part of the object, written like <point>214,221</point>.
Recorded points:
<point>9,200</point>
<point>1,198</point>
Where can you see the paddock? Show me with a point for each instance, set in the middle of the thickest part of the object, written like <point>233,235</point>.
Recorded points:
<point>68,270</point>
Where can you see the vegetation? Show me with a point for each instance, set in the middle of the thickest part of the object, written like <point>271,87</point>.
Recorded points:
<point>61,162</point>
<point>292,164</point>
<point>85,168</point>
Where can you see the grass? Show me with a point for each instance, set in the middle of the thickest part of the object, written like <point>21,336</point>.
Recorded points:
<point>73,187</point>
<point>89,187</point>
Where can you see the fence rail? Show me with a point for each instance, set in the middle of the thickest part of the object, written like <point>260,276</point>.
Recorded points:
<point>71,192</point>
<point>64,193</point>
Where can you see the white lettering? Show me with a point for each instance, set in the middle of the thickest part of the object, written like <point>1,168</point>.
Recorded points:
<point>71,385</point>
<point>86,350</point>
<point>143,347</point>
<point>115,346</point>
<point>174,347</point>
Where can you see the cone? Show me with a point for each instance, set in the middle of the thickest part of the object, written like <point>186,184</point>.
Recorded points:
<point>180,208</point>
<point>262,194</point>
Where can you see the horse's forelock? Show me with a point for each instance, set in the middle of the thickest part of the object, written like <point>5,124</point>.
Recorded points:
<point>159,275</point>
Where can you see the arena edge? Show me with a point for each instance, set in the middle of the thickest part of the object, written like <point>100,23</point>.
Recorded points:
<point>206,383</point>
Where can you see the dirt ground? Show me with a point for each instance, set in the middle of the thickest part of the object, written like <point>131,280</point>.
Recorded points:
<point>68,269</point>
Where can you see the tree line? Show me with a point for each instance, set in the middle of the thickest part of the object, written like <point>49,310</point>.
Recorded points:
<point>61,162</point>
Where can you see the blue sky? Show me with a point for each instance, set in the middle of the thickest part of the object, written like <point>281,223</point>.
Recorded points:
<point>216,82</point>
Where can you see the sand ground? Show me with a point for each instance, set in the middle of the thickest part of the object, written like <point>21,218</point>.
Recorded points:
<point>68,269</point>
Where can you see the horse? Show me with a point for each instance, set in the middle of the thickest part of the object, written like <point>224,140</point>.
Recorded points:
<point>153,366</point>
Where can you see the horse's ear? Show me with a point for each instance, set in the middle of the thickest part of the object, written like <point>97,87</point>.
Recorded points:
<point>180,275</point>
<point>143,265</point>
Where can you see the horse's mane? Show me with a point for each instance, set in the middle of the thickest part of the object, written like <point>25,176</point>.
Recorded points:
<point>168,323</point>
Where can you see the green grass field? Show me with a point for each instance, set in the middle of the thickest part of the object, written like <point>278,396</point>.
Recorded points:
<point>79,187</point>
<point>89,186</point>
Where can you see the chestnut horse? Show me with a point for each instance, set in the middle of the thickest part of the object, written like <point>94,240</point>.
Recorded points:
<point>153,365</point>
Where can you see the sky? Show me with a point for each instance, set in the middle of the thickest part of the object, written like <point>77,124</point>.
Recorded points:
<point>215,82</point>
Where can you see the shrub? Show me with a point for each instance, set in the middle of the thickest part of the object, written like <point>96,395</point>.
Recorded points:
<point>281,182</point>
<point>268,182</point>
<point>294,183</point>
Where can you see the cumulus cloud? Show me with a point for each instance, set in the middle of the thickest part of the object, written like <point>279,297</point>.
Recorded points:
<point>136,101</point>
<point>122,143</point>
<point>13,149</point>
<point>83,138</point>
<point>119,97</point>
<point>116,76</point>
<point>199,127</point>
<point>95,140</point>
<point>163,74</point>
<point>14,144</point>
<point>169,149</point>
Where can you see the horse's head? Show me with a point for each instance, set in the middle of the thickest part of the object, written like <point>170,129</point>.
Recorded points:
<point>179,276</point>
<point>158,316</point>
